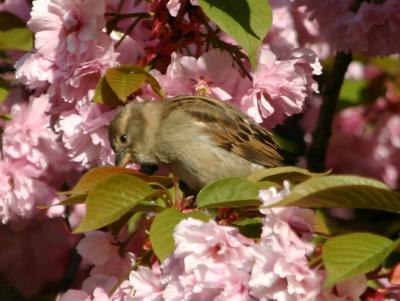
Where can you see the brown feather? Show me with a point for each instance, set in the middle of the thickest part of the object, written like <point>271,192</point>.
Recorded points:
<point>230,129</point>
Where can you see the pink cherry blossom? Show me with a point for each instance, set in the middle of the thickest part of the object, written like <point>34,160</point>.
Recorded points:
<point>215,281</point>
<point>35,71</point>
<point>146,284</point>
<point>348,136</point>
<point>101,286</point>
<point>95,288</point>
<point>300,219</point>
<point>280,86</point>
<point>369,29</point>
<point>141,33</point>
<point>212,74</point>
<point>21,191</point>
<point>199,242</point>
<point>75,215</point>
<point>75,295</point>
<point>66,30</point>
<point>28,137</point>
<point>210,262</point>
<point>173,6</point>
<point>72,51</point>
<point>97,247</point>
<point>291,28</point>
<point>85,134</point>
<point>130,51</point>
<point>272,195</point>
<point>281,269</point>
<point>349,290</point>
<point>367,137</point>
<point>102,250</point>
<point>35,162</point>
<point>73,82</point>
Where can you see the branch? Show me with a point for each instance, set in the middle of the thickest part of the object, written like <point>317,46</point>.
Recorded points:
<point>330,94</point>
<point>128,32</point>
<point>6,68</point>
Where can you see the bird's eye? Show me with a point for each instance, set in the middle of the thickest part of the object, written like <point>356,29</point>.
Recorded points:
<point>123,138</point>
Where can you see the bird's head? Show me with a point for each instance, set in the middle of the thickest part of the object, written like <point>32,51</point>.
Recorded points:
<point>129,136</point>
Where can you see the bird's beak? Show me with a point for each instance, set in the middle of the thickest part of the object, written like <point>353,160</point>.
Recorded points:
<point>122,159</point>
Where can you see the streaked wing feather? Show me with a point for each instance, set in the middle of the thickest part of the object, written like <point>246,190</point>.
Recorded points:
<point>231,129</point>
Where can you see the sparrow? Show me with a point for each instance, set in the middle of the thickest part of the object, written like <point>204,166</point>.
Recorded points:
<point>199,139</point>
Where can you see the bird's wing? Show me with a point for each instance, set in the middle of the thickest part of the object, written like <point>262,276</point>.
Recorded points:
<point>230,129</point>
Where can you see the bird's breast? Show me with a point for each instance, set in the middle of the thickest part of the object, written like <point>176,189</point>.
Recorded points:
<point>201,161</point>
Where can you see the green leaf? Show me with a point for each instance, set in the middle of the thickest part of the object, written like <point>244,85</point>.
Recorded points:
<point>268,184</point>
<point>389,65</point>
<point>246,21</point>
<point>74,200</point>
<point>93,177</point>
<point>351,93</point>
<point>351,90</point>
<point>349,255</point>
<point>342,192</point>
<point>16,39</point>
<point>152,81</point>
<point>14,34</point>
<point>134,221</point>
<point>111,199</point>
<point>175,193</point>
<point>250,227</point>
<point>127,79</point>
<point>162,229</point>
<point>4,89</point>
<point>286,144</point>
<point>5,117</point>
<point>322,226</point>
<point>96,175</point>
<point>278,174</point>
<point>228,192</point>
<point>104,94</point>
<point>124,83</point>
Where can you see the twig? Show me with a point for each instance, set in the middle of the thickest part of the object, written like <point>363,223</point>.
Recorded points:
<point>315,262</point>
<point>70,272</point>
<point>317,152</point>
<point>128,32</point>
<point>120,17</point>
<point>6,68</point>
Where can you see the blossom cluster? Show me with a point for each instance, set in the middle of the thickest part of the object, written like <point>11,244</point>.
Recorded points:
<point>33,160</point>
<point>215,262</point>
<point>100,250</point>
<point>365,137</point>
<point>373,132</point>
<point>342,24</point>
